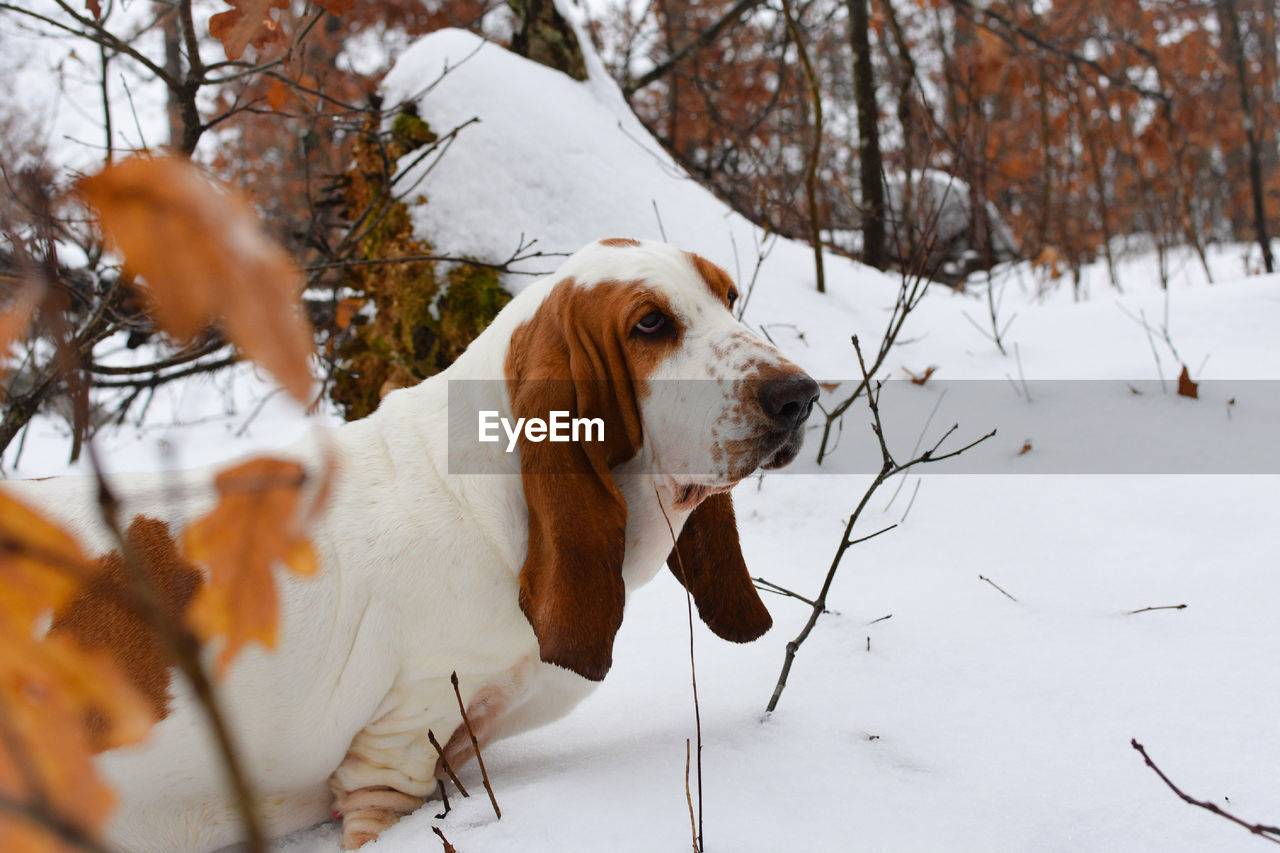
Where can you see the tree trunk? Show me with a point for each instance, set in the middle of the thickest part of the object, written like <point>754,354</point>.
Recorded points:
<point>905,217</point>
<point>170,26</point>
<point>1233,46</point>
<point>811,167</point>
<point>869,159</point>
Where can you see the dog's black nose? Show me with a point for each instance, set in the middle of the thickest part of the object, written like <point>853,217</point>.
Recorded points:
<point>788,400</point>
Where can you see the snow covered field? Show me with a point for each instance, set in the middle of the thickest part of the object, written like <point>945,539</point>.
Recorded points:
<point>965,722</point>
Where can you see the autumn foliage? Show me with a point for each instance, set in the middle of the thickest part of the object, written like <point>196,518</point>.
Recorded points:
<point>203,256</point>
<point>255,526</point>
<point>1082,123</point>
<point>200,255</point>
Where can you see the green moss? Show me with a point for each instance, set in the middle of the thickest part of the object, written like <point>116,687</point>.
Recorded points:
<point>406,340</point>
<point>412,131</point>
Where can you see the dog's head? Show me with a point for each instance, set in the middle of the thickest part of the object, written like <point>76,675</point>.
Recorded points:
<point>641,337</point>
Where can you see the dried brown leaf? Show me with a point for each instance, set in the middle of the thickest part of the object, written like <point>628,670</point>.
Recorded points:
<point>254,525</point>
<point>1050,260</point>
<point>15,321</point>
<point>278,94</point>
<point>204,256</point>
<point>348,309</point>
<point>921,378</point>
<point>1187,388</point>
<point>248,22</point>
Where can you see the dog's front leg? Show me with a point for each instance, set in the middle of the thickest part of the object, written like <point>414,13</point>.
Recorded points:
<point>387,773</point>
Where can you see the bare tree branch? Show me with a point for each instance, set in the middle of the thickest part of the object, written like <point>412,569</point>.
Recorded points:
<point>703,39</point>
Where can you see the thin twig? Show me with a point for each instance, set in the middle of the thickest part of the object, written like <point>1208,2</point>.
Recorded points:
<point>911,502</point>
<point>688,798</point>
<point>184,650</point>
<point>1161,607</point>
<point>693,671</point>
<point>1270,833</point>
<point>997,586</point>
<point>657,214</point>
<point>448,848</point>
<point>769,586</point>
<point>1022,377</point>
<point>703,39</point>
<point>475,744</point>
<point>444,762</point>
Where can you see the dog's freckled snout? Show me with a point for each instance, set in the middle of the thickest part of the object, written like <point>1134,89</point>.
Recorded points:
<point>788,400</point>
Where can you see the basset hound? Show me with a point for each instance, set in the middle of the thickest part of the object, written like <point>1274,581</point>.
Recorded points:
<point>430,563</point>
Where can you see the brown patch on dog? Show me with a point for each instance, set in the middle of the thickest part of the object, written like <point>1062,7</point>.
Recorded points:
<point>483,712</point>
<point>103,616</point>
<point>579,353</point>
<point>716,279</point>
<point>619,242</point>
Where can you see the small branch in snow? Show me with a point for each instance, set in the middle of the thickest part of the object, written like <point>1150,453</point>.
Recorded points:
<point>475,744</point>
<point>1270,833</point>
<point>657,214</point>
<point>889,468</point>
<point>448,848</point>
<point>997,586</point>
<point>693,676</point>
<point>444,762</point>
<point>1161,607</point>
<point>911,502</point>
<point>688,797</point>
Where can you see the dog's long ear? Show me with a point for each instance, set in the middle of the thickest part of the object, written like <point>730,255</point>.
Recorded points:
<point>715,573</point>
<point>569,359</point>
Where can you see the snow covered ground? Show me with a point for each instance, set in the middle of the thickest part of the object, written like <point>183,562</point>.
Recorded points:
<point>965,722</point>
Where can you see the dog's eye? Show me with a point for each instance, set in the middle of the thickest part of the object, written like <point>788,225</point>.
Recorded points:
<point>651,323</point>
<point>733,298</point>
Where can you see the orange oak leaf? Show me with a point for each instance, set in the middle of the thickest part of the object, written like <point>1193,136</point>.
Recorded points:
<point>248,22</point>
<point>1026,447</point>
<point>15,320</point>
<point>278,94</point>
<point>255,525</point>
<point>347,311</point>
<point>41,564</point>
<point>95,8</point>
<point>204,256</point>
<point>1187,388</point>
<point>61,704</point>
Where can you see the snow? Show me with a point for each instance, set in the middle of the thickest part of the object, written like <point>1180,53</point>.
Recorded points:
<point>967,721</point>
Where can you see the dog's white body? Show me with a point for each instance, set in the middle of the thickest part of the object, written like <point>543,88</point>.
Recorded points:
<point>419,577</point>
